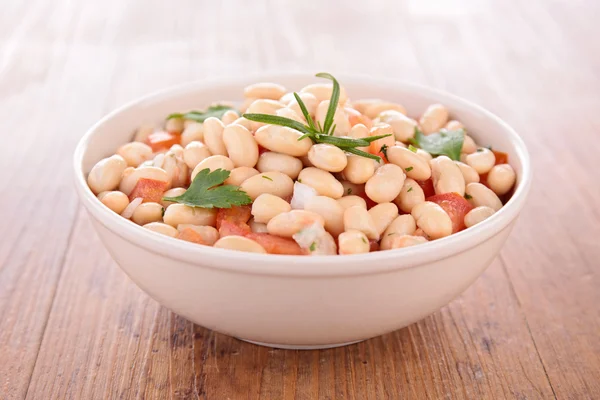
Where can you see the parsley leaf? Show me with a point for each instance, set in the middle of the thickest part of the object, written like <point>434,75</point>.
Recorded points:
<point>266,177</point>
<point>447,143</point>
<point>216,111</point>
<point>313,246</point>
<point>408,169</point>
<point>205,192</point>
<point>384,149</point>
<point>468,196</point>
<point>409,190</point>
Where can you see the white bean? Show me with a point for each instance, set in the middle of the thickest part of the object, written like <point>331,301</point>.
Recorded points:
<point>291,114</point>
<point>454,125</point>
<point>414,166</point>
<point>257,227</point>
<point>240,145</point>
<point>480,195</point>
<point>229,116</point>
<point>239,175</point>
<point>385,185</point>
<point>352,201</point>
<point>383,214</point>
<point>468,173</point>
<point>193,132</point>
<point>447,176</point>
<point>360,131</point>
<point>262,106</point>
<point>340,118</point>
<point>410,195</point>
<point>403,126</point>
<point>246,123</point>
<point>358,218</point>
<point>289,223</point>
<point>322,181</point>
<point>106,174</point>
<point>213,163</point>
<point>401,225</point>
<point>469,145</point>
<point>264,90</point>
<point>322,91</point>
<point>194,153</point>
<point>501,178</point>
<point>213,136</point>
<point>309,100</point>
<point>176,169</point>
<point>177,214</point>
<point>398,242</point>
<point>271,161</point>
<point>477,215</point>
<point>239,243</point>
<point>377,108</point>
<point>162,228</point>
<point>433,119</point>
<point>147,212</point>
<point>115,200</point>
<point>282,139</point>
<point>331,211</point>
<point>327,157</point>
<point>135,153</point>
<point>432,219</point>
<point>209,234</point>
<point>266,206</point>
<point>174,125</point>
<point>273,182</point>
<point>131,178</point>
<point>424,155</point>
<point>481,161</point>
<point>353,242</point>
<point>142,133</point>
<point>358,169</point>
<point>174,192</point>
<point>352,188</point>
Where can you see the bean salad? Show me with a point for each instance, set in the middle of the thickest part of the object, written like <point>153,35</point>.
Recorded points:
<point>312,172</point>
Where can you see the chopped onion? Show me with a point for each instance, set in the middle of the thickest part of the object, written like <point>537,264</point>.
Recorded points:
<point>302,193</point>
<point>128,211</point>
<point>316,240</point>
<point>159,160</point>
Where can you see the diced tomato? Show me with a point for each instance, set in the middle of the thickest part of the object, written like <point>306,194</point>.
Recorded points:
<point>483,179</point>
<point>262,150</point>
<point>370,203</point>
<point>190,235</point>
<point>151,190</point>
<point>356,119</point>
<point>501,157</point>
<point>162,140</point>
<point>427,187</point>
<point>275,244</point>
<point>233,221</point>
<point>373,245</point>
<point>455,206</point>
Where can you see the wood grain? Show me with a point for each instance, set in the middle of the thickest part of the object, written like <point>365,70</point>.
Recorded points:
<point>72,325</point>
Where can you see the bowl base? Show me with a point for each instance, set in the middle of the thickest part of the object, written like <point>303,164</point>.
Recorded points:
<point>301,347</point>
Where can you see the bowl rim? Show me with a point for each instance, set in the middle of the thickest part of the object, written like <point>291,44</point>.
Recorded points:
<point>303,266</point>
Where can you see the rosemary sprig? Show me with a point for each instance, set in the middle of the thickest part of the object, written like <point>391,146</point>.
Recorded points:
<point>314,130</point>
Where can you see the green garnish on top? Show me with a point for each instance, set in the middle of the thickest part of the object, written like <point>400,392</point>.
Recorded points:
<point>313,246</point>
<point>315,131</point>
<point>266,177</point>
<point>216,111</point>
<point>443,143</point>
<point>206,192</point>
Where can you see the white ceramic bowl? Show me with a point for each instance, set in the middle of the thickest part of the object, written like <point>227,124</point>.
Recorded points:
<point>296,301</point>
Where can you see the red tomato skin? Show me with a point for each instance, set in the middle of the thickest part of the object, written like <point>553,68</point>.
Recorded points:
<point>150,190</point>
<point>190,235</point>
<point>233,221</point>
<point>162,140</point>
<point>501,157</point>
<point>455,206</point>
<point>427,187</point>
<point>276,245</point>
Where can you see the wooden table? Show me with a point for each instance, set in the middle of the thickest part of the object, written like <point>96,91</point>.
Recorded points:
<point>72,325</point>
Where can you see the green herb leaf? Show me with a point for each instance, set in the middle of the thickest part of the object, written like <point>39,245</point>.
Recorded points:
<point>361,153</point>
<point>412,148</point>
<point>266,177</point>
<point>216,111</point>
<point>408,169</point>
<point>468,196</point>
<point>374,138</point>
<point>409,190</point>
<point>349,191</point>
<point>340,141</point>
<point>364,240</point>
<point>277,120</point>
<point>384,150</point>
<point>205,192</point>
<point>333,101</point>
<point>449,144</point>
<point>305,112</point>
<point>313,246</point>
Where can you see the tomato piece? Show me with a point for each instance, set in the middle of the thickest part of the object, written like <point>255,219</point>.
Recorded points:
<point>190,235</point>
<point>501,157</point>
<point>483,179</point>
<point>262,150</point>
<point>373,245</point>
<point>427,187</point>
<point>162,140</point>
<point>356,119</point>
<point>275,244</point>
<point>151,190</point>
<point>370,203</point>
<point>234,221</point>
<point>455,206</point>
